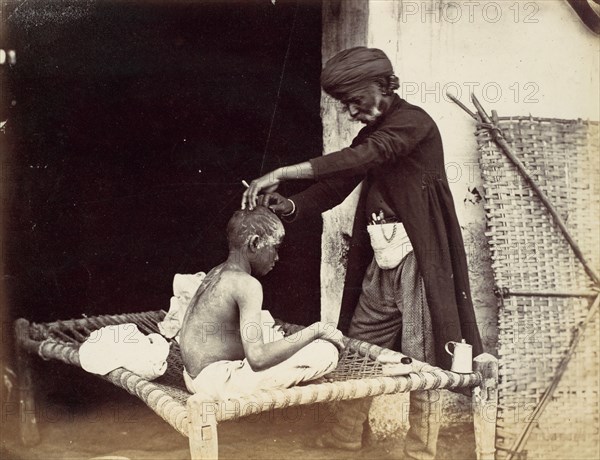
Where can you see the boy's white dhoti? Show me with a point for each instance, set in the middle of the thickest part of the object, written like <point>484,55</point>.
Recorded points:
<point>228,379</point>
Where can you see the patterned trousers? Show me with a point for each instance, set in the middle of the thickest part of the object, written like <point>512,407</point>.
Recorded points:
<point>392,310</point>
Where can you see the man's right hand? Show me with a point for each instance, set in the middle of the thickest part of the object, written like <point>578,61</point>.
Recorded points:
<point>276,203</point>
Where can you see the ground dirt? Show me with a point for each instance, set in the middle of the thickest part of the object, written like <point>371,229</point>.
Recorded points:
<point>119,426</point>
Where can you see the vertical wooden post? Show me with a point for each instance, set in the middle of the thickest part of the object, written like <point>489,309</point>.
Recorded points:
<point>202,431</point>
<point>485,406</point>
<point>27,408</point>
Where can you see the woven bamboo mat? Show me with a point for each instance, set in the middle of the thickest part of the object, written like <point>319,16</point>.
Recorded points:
<point>529,254</point>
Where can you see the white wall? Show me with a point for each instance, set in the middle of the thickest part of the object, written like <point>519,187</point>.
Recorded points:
<point>520,57</point>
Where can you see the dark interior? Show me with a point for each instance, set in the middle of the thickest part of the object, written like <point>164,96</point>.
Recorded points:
<point>130,127</point>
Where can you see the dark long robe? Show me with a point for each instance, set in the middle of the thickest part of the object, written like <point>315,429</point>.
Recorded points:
<point>403,153</point>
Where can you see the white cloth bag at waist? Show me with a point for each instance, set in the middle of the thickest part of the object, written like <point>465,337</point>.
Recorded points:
<point>390,244</point>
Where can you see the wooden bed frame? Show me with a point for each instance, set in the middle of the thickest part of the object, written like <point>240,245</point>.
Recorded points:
<point>357,375</point>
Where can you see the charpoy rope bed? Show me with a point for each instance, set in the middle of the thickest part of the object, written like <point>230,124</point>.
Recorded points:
<point>548,333</point>
<point>357,375</point>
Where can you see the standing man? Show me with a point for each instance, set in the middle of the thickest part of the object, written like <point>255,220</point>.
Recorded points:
<point>425,300</point>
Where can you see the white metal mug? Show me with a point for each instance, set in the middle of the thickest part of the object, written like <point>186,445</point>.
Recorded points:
<point>462,357</point>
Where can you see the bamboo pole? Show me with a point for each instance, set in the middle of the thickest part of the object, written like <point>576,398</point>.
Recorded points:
<point>506,292</point>
<point>497,136</point>
<point>462,106</point>
<point>499,139</point>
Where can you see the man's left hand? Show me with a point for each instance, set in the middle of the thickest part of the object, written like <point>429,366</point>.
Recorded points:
<point>276,203</point>
<point>267,183</point>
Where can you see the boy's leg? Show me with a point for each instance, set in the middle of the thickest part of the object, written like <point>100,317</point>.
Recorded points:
<point>309,363</point>
<point>229,379</point>
<point>214,381</point>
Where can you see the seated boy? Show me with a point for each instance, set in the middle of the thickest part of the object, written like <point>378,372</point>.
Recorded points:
<point>222,345</point>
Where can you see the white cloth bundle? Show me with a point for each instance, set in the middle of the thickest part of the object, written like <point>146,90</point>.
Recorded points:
<point>123,345</point>
<point>184,288</point>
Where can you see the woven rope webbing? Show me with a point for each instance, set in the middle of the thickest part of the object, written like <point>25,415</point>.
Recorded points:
<point>357,375</point>
<point>530,255</point>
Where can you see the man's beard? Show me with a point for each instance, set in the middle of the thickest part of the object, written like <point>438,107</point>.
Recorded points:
<point>372,116</point>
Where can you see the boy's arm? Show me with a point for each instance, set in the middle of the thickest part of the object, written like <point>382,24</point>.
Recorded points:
<point>248,295</point>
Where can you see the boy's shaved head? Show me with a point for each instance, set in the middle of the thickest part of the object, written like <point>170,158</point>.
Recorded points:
<point>261,221</point>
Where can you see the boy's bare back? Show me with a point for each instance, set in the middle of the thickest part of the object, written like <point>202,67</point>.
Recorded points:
<point>211,327</point>
<point>223,320</point>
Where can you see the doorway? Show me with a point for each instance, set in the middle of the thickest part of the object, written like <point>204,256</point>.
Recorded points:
<point>130,127</point>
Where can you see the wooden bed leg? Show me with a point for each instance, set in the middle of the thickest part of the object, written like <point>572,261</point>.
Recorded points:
<point>27,420</point>
<point>485,406</point>
<point>202,431</point>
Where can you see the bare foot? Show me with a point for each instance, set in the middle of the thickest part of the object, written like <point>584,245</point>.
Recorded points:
<point>326,440</point>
